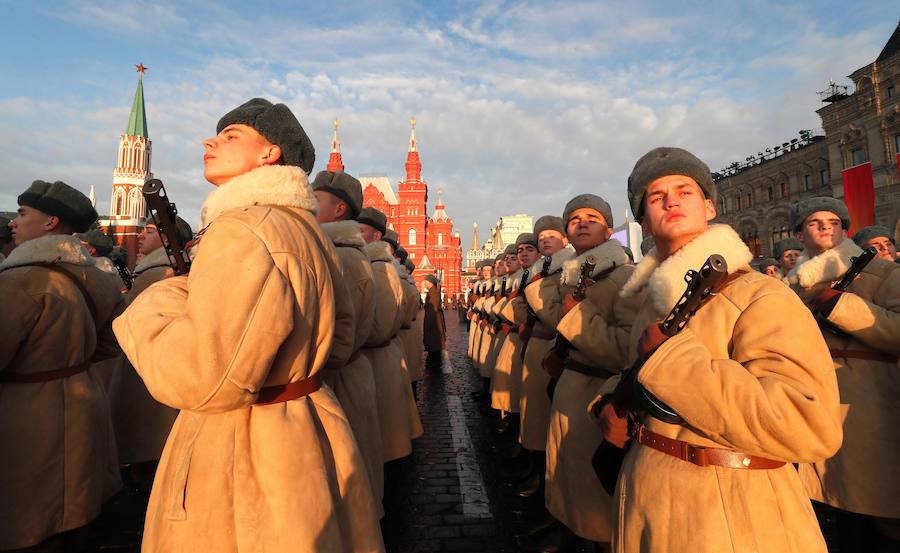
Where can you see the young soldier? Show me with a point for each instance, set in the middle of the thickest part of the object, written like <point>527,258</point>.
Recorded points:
<point>261,456</point>
<point>877,237</point>
<point>598,330</point>
<point>476,328</point>
<point>486,342</point>
<point>411,332</point>
<point>434,326</point>
<point>59,459</point>
<point>786,253</point>
<point>6,241</point>
<point>861,326</point>
<point>142,423</point>
<point>749,376</point>
<point>339,196</point>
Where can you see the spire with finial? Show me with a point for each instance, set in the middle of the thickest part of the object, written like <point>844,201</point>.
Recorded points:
<point>475,244</point>
<point>335,161</point>
<point>137,121</point>
<point>413,165</point>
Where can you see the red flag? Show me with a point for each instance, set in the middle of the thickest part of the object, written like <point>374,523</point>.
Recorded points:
<point>859,195</point>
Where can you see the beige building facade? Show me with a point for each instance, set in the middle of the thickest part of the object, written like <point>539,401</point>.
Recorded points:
<point>860,125</point>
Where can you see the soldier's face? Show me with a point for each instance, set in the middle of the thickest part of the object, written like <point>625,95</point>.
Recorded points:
<point>885,248</point>
<point>789,259</point>
<point>772,271</point>
<point>675,212</point>
<point>236,150</point>
<point>527,254</point>
<point>587,229</point>
<point>551,241</point>
<point>821,231</point>
<point>500,268</point>
<point>331,208</point>
<point>487,272</point>
<point>30,223</point>
<point>149,239</point>
<point>512,263</point>
<point>369,233</point>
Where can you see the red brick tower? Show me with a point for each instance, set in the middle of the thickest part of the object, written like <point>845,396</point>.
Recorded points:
<point>411,218</point>
<point>127,213</point>
<point>335,161</point>
<point>443,249</point>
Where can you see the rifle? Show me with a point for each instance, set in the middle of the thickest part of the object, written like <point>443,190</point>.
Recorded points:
<point>555,358</point>
<point>164,216</point>
<point>124,273</point>
<point>502,293</point>
<point>528,327</point>
<point>857,264</point>
<point>629,395</point>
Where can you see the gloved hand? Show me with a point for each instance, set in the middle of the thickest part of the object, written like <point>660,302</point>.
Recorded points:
<point>825,301</point>
<point>651,339</point>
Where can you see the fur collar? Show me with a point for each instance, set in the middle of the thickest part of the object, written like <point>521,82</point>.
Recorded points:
<point>156,258</point>
<point>512,280</point>
<point>608,254</point>
<point>403,272</point>
<point>557,259</point>
<point>378,251</point>
<point>344,234</point>
<point>55,248</point>
<point>106,265</point>
<point>825,267</point>
<point>281,185</point>
<point>666,280</point>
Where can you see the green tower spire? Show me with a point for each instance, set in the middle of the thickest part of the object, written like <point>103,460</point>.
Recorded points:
<point>137,121</point>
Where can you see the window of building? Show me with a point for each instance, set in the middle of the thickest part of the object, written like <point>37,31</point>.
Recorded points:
<point>858,156</point>
<point>784,190</point>
<point>740,202</point>
<point>807,182</point>
<point>749,199</point>
<point>440,239</point>
<point>770,193</point>
<point>892,91</point>
<point>823,177</point>
<point>120,200</point>
<point>897,143</point>
<point>412,237</point>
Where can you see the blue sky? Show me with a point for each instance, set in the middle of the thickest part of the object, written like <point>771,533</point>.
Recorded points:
<point>521,105</point>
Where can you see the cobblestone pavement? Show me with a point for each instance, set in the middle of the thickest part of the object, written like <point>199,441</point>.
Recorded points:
<point>451,494</point>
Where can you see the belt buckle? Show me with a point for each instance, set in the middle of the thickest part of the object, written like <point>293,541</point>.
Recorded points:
<point>695,454</point>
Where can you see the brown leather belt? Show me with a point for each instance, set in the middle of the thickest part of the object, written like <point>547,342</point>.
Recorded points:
<point>482,323</point>
<point>43,376</point>
<point>508,328</point>
<point>542,335</point>
<point>868,355</point>
<point>384,344</point>
<point>287,392</point>
<point>587,370</point>
<point>703,456</point>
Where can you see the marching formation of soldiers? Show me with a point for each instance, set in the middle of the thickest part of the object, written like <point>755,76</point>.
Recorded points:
<point>686,403</point>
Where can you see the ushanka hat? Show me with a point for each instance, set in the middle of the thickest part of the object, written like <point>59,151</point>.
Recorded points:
<point>786,245</point>
<point>402,255</point>
<point>374,218</point>
<point>589,201</point>
<point>102,243</point>
<point>60,200</point>
<point>278,124</point>
<point>526,238</point>
<point>863,235</point>
<point>432,279</point>
<point>342,186</point>
<point>390,236</point>
<point>185,234</point>
<point>803,209</point>
<point>410,266</point>
<point>510,250</point>
<point>549,222</point>
<point>766,263</point>
<point>662,162</point>
<point>647,244</point>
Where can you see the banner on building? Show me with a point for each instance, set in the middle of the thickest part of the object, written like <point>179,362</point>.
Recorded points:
<point>859,195</point>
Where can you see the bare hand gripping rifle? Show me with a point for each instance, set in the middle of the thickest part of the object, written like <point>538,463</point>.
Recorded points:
<point>555,359</point>
<point>164,216</point>
<point>630,396</point>
<point>857,264</point>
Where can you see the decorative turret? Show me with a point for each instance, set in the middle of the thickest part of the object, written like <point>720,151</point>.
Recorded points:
<point>475,245</point>
<point>335,162</point>
<point>413,165</point>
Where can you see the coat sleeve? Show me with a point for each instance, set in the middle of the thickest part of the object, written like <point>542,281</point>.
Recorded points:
<point>107,345</point>
<point>602,333</point>
<point>344,325</point>
<point>206,341</point>
<point>387,304</point>
<point>543,296</point>
<point>515,311</point>
<point>875,324</point>
<point>775,397</point>
<point>17,318</point>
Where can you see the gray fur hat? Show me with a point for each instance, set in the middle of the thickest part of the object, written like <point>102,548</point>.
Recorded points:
<point>410,266</point>
<point>102,243</point>
<point>510,250</point>
<point>786,245</point>
<point>803,209</point>
<point>374,218</point>
<point>865,234</point>
<point>500,257</point>
<point>765,264</point>
<point>549,222</point>
<point>402,255</point>
<point>588,201</point>
<point>5,231</point>
<point>432,279</point>
<point>661,162</point>
<point>60,200</point>
<point>526,238</point>
<point>185,234</point>
<point>343,186</point>
<point>390,236</point>
<point>278,124</point>
<point>647,244</point>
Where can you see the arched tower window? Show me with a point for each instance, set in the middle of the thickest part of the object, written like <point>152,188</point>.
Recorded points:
<point>412,237</point>
<point>440,239</point>
<point>119,202</point>
<point>134,204</point>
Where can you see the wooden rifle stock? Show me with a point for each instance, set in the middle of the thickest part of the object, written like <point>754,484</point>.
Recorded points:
<point>165,217</point>
<point>629,395</point>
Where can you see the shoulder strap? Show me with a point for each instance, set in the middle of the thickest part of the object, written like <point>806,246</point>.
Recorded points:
<point>55,267</point>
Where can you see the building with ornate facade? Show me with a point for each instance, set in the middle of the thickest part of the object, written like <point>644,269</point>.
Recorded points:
<point>432,243</point>
<point>861,127</point>
<point>127,212</point>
